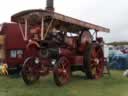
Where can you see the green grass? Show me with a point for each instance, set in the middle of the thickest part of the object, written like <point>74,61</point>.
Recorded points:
<point>115,85</point>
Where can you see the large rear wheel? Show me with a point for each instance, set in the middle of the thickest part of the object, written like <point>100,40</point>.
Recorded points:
<point>30,70</point>
<point>94,61</point>
<point>62,71</point>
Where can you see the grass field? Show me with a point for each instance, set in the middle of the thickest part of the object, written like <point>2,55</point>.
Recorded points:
<point>115,85</point>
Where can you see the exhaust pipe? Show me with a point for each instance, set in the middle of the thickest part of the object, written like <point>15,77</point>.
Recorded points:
<point>50,5</point>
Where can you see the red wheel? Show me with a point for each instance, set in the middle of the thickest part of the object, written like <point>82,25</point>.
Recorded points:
<point>94,62</point>
<point>62,71</point>
<point>97,62</point>
<point>30,70</point>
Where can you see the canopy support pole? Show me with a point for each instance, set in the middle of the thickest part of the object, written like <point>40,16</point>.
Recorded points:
<point>49,26</point>
<point>21,30</point>
<point>26,29</point>
<point>42,29</point>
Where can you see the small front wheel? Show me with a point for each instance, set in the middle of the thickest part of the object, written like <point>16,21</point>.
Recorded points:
<point>30,70</point>
<point>62,71</point>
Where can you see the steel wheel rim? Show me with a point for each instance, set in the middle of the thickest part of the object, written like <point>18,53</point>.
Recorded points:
<point>97,62</point>
<point>29,70</point>
<point>63,70</point>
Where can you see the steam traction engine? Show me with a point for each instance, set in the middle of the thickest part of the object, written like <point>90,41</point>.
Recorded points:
<point>59,43</point>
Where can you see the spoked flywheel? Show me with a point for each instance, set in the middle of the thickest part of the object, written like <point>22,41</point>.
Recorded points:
<point>94,61</point>
<point>30,70</point>
<point>62,71</point>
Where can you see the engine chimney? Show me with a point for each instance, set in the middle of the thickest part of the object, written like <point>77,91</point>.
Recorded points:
<point>50,5</point>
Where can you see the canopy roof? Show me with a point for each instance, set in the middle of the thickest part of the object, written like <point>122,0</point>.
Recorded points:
<point>74,23</point>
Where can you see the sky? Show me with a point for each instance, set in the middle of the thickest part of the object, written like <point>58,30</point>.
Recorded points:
<point>112,14</point>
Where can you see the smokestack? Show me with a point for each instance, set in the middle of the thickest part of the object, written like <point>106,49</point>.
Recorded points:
<point>50,5</point>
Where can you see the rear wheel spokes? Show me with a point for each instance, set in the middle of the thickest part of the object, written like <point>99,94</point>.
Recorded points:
<point>97,63</point>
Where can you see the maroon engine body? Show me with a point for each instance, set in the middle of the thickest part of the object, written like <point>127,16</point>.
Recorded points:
<point>52,49</point>
<point>73,53</point>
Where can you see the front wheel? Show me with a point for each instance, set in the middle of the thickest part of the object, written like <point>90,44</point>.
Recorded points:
<point>62,71</point>
<point>94,62</point>
<point>30,70</point>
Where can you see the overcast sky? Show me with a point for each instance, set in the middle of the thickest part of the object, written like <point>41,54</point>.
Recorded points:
<point>112,14</point>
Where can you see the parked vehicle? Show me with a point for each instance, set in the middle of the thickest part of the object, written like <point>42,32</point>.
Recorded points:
<point>53,49</point>
<point>12,46</point>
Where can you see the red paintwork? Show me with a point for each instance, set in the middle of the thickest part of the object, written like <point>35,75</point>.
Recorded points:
<point>13,41</point>
<point>78,60</point>
<point>71,42</point>
<point>65,52</point>
<point>85,40</point>
<point>13,36</point>
<point>74,58</point>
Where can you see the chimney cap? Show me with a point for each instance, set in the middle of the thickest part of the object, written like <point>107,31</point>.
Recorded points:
<point>50,5</point>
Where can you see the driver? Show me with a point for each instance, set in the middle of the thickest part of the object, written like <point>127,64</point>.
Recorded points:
<point>35,32</point>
